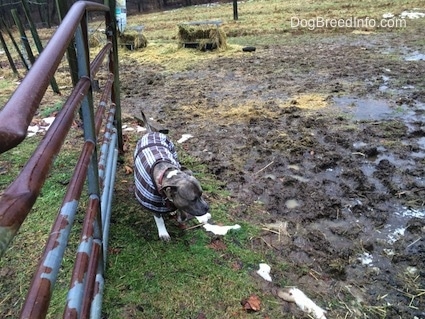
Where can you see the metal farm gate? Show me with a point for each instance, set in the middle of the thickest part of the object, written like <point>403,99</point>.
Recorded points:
<point>96,164</point>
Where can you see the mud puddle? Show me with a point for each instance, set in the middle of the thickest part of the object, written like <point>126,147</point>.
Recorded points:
<point>364,109</point>
<point>416,56</point>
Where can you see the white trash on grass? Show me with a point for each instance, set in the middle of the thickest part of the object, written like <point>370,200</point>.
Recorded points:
<point>264,272</point>
<point>302,301</point>
<point>216,229</point>
<point>412,15</point>
<point>295,295</point>
<point>184,138</point>
<point>42,127</point>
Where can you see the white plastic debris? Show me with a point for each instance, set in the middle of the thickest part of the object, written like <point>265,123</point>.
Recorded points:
<point>140,129</point>
<point>47,122</point>
<point>216,229</point>
<point>220,230</point>
<point>184,138</point>
<point>32,130</point>
<point>302,301</point>
<point>42,127</point>
<point>388,15</point>
<point>412,15</point>
<point>204,218</point>
<point>264,272</point>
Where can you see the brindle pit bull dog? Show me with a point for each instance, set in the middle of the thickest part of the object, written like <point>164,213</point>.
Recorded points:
<point>162,185</point>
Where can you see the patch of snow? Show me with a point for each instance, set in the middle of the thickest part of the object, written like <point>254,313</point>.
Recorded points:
<point>366,259</point>
<point>410,212</point>
<point>396,235</point>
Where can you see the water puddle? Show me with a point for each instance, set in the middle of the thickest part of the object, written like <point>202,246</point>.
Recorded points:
<point>385,85</point>
<point>364,109</point>
<point>396,225</point>
<point>415,56</point>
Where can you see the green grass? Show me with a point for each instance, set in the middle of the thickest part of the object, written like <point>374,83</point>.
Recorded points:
<point>6,87</point>
<point>48,111</point>
<point>177,279</point>
<point>148,278</point>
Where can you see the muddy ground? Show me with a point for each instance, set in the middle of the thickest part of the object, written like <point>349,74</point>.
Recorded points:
<point>324,139</point>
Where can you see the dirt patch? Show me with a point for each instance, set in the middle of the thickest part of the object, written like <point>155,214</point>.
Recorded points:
<point>326,135</point>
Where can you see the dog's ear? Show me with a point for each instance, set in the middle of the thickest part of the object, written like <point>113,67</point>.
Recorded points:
<point>170,192</point>
<point>186,170</point>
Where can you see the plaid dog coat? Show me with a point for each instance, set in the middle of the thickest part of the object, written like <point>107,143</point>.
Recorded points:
<point>150,149</point>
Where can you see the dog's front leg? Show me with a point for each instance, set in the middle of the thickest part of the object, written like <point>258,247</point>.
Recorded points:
<point>162,231</point>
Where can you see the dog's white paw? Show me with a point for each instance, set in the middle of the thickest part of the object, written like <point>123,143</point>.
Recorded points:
<point>162,231</point>
<point>165,237</point>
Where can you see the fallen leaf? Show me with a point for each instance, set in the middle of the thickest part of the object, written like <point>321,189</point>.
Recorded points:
<point>114,251</point>
<point>252,303</point>
<point>217,245</point>
<point>237,265</point>
<point>128,170</point>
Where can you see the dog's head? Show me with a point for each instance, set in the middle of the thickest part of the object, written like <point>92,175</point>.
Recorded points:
<point>185,192</point>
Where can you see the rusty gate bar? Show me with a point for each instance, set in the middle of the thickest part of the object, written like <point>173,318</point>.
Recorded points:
<point>38,296</point>
<point>87,283</point>
<point>17,114</point>
<point>18,199</point>
<point>73,307</point>
<point>97,61</point>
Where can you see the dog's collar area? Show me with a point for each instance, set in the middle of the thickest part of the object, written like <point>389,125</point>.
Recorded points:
<point>167,202</point>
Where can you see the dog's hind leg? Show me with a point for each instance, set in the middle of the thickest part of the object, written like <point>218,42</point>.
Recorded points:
<point>162,231</point>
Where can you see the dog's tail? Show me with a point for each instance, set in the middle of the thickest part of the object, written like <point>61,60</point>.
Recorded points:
<point>146,124</point>
<point>152,128</point>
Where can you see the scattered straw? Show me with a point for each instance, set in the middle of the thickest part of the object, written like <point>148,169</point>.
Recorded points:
<point>309,101</point>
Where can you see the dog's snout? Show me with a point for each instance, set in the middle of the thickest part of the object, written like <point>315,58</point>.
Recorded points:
<point>201,209</point>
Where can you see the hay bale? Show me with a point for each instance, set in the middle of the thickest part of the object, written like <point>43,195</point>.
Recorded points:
<point>133,40</point>
<point>95,40</point>
<point>202,36</point>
